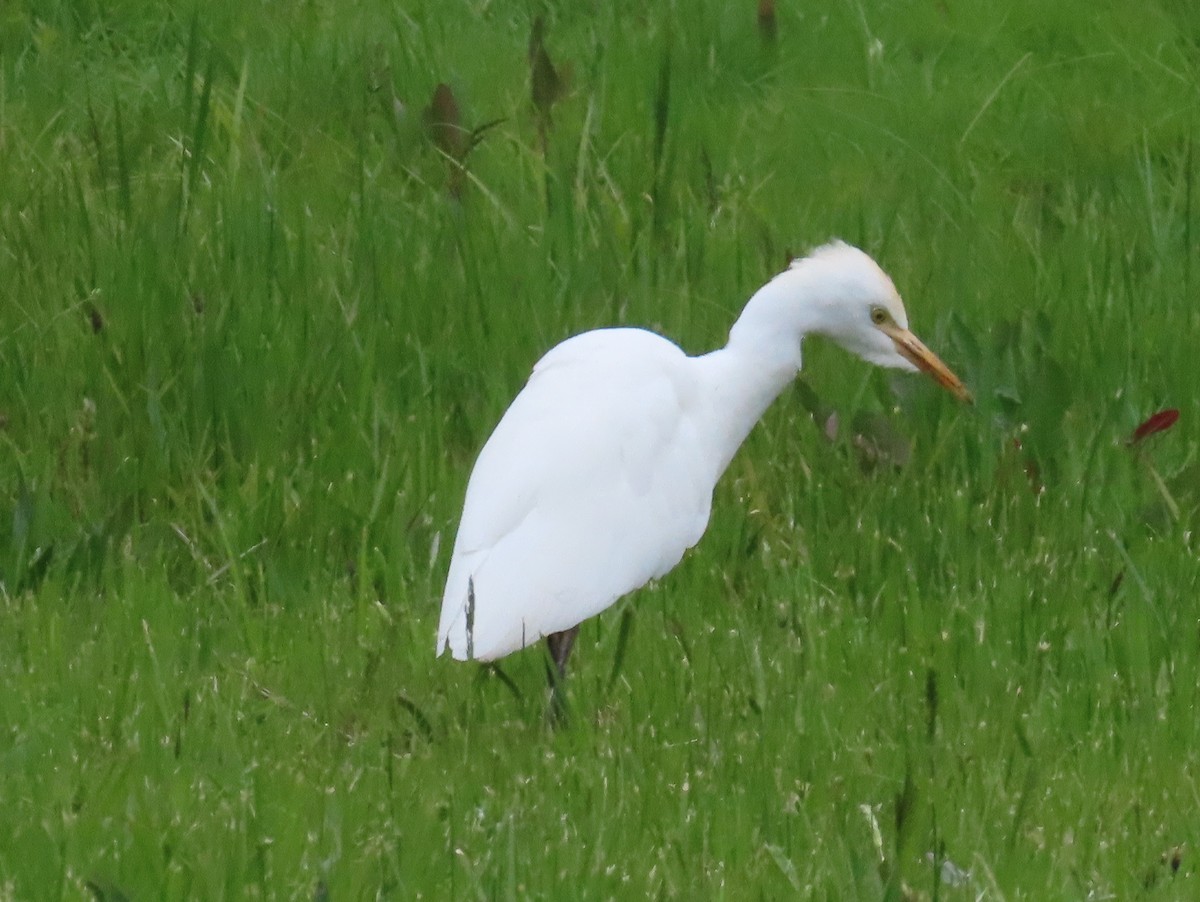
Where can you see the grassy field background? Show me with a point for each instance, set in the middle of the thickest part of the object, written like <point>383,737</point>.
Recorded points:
<point>264,292</point>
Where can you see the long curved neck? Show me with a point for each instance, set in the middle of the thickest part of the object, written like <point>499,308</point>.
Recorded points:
<point>779,315</point>
<point>761,358</point>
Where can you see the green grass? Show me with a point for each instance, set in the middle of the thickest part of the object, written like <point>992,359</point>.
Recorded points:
<point>250,343</point>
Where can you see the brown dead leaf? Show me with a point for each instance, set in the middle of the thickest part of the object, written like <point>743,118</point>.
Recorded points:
<point>768,26</point>
<point>444,123</point>
<point>547,84</point>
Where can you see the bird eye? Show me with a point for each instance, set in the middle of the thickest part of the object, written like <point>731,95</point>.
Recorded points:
<point>879,316</point>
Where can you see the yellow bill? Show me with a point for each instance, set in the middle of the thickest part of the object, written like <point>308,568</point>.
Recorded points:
<point>914,351</point>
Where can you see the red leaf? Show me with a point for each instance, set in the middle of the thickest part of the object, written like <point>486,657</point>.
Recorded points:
<point>1158,422</point>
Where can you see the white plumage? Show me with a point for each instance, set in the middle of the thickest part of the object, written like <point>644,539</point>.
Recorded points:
<point>600,474</point>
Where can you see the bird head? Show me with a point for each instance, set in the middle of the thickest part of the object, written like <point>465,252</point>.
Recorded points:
<point>857,306</point>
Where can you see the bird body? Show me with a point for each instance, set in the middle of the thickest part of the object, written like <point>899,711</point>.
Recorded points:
<point>600,475</point>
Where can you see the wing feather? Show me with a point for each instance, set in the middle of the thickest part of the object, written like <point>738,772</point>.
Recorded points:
<point>584,492</point>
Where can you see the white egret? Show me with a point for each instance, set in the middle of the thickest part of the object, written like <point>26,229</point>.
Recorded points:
<point>600,474</point>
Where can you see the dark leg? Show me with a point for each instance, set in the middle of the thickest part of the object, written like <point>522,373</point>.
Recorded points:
<point>560,645</point>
